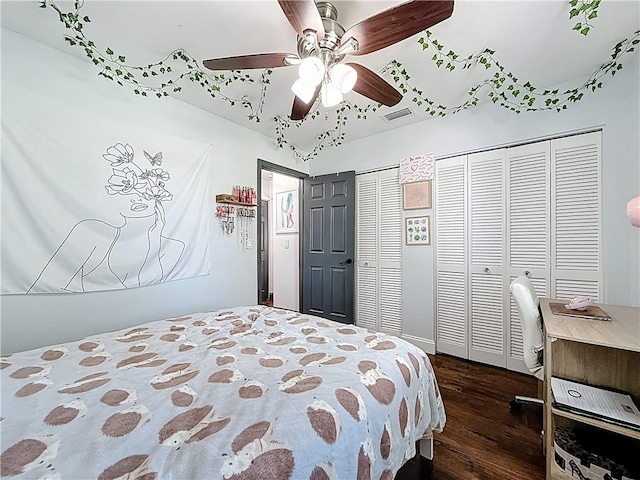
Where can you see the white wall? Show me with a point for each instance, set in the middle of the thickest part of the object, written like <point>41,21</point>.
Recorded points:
<point>615,108</point>
<point>285,246</point>
<point>29,321</point>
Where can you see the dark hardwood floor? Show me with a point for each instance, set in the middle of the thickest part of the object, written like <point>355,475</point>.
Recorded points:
<point>482,438</point>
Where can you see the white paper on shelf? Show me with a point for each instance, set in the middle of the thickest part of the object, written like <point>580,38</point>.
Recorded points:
<point>599,402</point>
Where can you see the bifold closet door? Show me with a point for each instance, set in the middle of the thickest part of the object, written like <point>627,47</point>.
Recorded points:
<point>390,252</point>
<point>528,232</point>
<point>486,227</point>
<point>531,210</point>
<point>367,251</point>
<point>576,216</point>
<point>451,266</point>
<point>379,252</point>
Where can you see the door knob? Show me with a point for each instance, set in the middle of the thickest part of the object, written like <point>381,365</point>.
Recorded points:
<point>348,261</point>
<point>527,274</point>
<point>486,270</point>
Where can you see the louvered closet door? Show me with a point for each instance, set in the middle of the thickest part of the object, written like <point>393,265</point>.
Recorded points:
<point>379,252</point>
<point>576,216</point>
<point>451,268</point>
<point>367,251</point>
<point>390,252</point>
<point>486,224</point>
<point>528,232</point>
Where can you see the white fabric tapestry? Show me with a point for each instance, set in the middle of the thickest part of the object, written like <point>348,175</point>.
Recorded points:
<point>415,169</point>
<point>90,204</point>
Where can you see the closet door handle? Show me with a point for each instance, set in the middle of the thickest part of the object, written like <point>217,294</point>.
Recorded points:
<point>486,270</point>
<point>527,274</point>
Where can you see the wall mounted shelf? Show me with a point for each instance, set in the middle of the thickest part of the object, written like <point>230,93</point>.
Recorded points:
<point>232,200</point>
<point>229,207</point>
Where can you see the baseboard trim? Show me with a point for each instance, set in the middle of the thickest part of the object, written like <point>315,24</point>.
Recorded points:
<point>427,345</point>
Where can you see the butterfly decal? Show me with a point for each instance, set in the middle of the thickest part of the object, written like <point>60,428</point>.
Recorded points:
<point>155,160</point>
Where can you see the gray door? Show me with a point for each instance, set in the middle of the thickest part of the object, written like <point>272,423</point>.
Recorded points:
<point>329,246</point>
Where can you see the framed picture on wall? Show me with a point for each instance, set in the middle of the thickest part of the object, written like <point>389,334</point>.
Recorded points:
<point>416,195</point>
<point>287,211</point>
<point>418,230</point>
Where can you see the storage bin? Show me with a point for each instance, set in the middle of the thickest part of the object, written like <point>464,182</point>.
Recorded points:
<point>589,453</point>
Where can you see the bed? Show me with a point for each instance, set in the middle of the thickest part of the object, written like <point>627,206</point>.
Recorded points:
<point>243,393</point>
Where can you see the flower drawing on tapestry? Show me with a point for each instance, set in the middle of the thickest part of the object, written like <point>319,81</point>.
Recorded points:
<point>135,252</point>
<point>129,179</point>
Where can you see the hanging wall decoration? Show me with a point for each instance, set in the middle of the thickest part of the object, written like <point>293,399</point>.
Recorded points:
<point>246,218</point>
<point>118,208</point>
<point>416,195</point>
<point>287,212</point>
<point>417,230</point>
<point>415,169</point>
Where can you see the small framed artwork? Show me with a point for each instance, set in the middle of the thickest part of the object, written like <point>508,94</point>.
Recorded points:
<point>287,212</point>
<point>418,230</point>
<point>416,195</point>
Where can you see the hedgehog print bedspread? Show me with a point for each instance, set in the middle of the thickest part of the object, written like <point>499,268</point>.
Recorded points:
<point>251,393</point>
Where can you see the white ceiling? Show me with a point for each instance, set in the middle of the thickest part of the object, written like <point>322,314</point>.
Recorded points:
<point>532,39</point>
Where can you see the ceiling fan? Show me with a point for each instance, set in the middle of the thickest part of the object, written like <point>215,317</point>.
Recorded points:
<point>323,44</point>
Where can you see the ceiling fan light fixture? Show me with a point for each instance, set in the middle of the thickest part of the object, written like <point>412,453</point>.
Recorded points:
<point>311,70</point>
<point>330,95</point>
<point>303,90</point>
<point>349,46</point>
<point>344,77</point>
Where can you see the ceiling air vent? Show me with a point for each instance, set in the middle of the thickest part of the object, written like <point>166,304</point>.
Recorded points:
<point>403,112</point>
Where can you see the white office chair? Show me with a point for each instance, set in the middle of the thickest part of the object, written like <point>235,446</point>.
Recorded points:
<point>528,307</point>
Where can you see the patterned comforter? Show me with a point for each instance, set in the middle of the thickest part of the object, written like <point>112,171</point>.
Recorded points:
<point>247,393</point>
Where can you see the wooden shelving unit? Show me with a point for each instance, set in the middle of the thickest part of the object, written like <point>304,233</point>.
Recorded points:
<point>629,432</point>
<point>603,354</point>
<point>227,212</point>
<point>231,200</point>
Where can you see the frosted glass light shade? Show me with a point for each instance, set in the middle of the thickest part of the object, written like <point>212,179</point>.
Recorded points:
<point>303,90</point>
<point>311,70</point>
<point>344,77</point>
<point>330,95</point>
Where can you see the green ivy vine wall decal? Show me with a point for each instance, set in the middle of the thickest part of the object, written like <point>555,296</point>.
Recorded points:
<point>502,88</point>
<point>332,137</point>
<point>589,11</point>
<point>113,66</point>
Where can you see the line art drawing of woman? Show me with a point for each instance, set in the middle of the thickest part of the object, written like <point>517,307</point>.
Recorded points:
<point>96,255</point>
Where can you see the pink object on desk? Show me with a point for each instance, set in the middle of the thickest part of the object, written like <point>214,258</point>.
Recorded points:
<point>580,303</point>
<point>633,211</point>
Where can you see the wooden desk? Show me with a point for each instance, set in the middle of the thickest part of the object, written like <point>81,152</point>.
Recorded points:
<point>605,354</point>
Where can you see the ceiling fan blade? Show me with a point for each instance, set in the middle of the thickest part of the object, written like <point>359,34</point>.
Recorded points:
<point>397,23</point>
<point>373,86</point>
<point>303,15</point>
<point>300,109</point>
<point>246,62</point>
